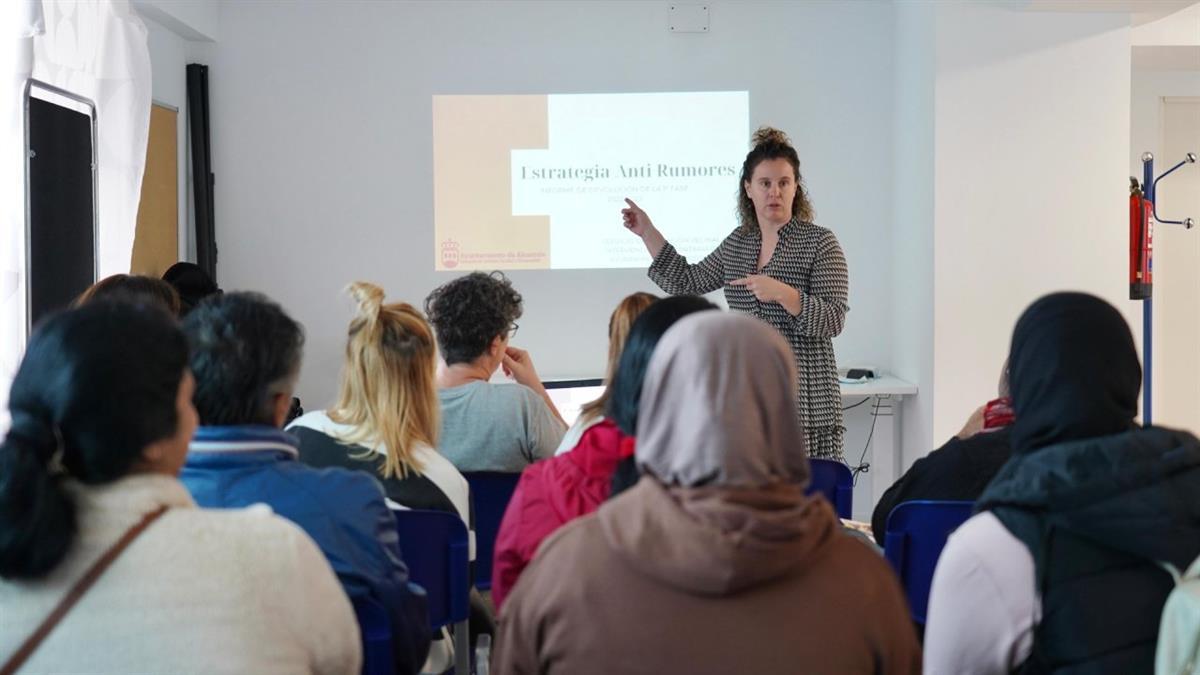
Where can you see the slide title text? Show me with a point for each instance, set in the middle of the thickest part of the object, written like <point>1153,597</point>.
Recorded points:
<point>598,172</point>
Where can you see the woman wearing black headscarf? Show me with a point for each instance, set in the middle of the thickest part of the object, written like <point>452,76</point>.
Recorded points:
<point>1059,568</point>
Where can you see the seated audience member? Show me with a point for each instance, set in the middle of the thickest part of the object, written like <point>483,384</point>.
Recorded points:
<point>132,288</point>
<point>101,418</point>
<point>560,489</point>
<point>1060,569</point>
<point>192,283</point>
<point>488,427</point>
<point>245,354</point>
<point>716,561</point>
<point>622,407</point>
<point>385,422</point>
<point>961,468</point>
<point>619,324</point>
<point>386,418</point>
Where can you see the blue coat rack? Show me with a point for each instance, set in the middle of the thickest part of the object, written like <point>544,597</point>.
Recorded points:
<point>1150,191</point>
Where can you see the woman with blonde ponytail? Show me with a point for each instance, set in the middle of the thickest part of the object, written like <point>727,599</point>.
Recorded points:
<point>778,267</point>
<point>386,420</point>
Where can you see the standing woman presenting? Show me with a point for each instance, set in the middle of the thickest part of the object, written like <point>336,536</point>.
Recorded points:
<point>779,267</point>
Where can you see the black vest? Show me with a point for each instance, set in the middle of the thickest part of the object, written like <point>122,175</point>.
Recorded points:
<point>1097,516</point>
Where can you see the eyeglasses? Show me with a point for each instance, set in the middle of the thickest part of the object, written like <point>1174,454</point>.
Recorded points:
<point>512,331</point>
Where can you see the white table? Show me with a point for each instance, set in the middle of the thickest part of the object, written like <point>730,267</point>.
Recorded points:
<point>888,393</point>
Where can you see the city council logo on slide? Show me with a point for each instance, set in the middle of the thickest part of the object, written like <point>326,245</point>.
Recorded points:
<point>450,253</point>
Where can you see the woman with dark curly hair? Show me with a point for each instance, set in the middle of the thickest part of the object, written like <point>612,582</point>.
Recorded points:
<point>485,426</point>
<point>778,267</point>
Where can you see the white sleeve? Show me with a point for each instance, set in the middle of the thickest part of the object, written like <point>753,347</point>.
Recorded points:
<point>323,616</point>
<point>571,438</point>
<point>575,433</point>
<point>983,605</point>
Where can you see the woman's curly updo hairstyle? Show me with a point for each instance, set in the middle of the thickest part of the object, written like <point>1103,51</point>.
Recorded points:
<point>770,143</point>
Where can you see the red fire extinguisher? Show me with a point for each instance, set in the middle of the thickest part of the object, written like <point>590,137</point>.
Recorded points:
<point>1141,243</point>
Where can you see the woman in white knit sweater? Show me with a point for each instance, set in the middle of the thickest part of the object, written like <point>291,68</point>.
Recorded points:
<point>101,419</point>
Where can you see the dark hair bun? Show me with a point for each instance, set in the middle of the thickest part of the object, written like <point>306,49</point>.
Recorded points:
<point>770,135</point>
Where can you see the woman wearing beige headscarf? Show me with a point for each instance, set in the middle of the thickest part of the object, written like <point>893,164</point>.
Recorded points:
<point>716,561</point>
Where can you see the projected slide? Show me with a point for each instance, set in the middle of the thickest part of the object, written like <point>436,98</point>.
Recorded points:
<point>538,182</point>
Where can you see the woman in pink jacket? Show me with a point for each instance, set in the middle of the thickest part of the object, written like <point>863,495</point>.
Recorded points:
<point>554,492</point>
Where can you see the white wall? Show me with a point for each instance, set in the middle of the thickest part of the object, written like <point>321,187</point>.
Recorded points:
<point>1032,142</point>
<point>321,142</point>
<point>913,173</point>
<point>1148,89</point>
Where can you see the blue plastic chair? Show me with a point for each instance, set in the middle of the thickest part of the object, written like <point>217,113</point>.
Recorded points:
<point>915,536</point>
<point>491,492</point>
<point>376,629</point>
<point>834,480</point>
<point>436,549</point>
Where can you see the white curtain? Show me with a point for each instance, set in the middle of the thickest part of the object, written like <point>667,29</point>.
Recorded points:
<point>96,49</point>
<point>19,22</point>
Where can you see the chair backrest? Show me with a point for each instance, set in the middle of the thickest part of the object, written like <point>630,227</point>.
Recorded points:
<point>490,492</point>
<point>434,544</point>
<point>916,534</point>
<point>376,629</point>
<point>834,480</point>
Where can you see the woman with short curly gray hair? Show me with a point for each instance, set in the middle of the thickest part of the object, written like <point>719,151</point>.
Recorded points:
<point>488,427</point>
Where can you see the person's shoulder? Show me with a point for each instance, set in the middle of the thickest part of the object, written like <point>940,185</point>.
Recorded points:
<point>980,531</point>
<point>580,534</point>
<point>321,444</point>
<point>983,543</point>
<point>991,446</point>
<point>600,432</point>
<point>509,389</point>
<point>435,465</point>
<point>740,237</point>
<point>272,554</point>
<point>318,425</point>
<point>857,559</point>
<point>982,555</point>
<point>558,473</point>
<point>530,491</point>
<point>486,394</point>
<point>536,471</point>
<point>739,233</point>
<point>317,420</point>
<point>822,235</point>
<point>466,389</point>
<point>427,455</point>
<point>952,451</point>
<point>255,526</point>
<point>516,393</point>
<point>322,483</point>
